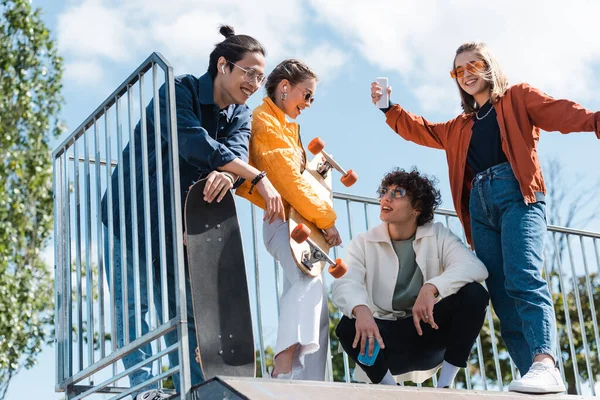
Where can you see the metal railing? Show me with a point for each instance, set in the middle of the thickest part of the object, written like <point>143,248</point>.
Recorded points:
<point>88,292</point>
<point>567,268</point>
<point>88,354</point>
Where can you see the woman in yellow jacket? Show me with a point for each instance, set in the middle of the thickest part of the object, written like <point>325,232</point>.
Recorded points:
<point>276,149</point>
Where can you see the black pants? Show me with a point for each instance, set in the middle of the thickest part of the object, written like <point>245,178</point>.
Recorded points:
<point>459,318</point>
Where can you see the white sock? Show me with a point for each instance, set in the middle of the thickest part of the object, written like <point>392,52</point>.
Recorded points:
<point>388,379</point>
<point>447,374</point>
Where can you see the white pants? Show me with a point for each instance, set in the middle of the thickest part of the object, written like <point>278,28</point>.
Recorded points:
<point>303,312</point>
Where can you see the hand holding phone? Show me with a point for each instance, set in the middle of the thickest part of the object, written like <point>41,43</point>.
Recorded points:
<point>365,359</point>
<point>384,101</point>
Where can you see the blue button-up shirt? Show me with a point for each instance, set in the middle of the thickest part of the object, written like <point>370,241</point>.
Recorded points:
<point>208,138</point>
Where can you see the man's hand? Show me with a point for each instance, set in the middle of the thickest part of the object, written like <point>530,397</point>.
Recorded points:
<point>217,184</point>
<point>423,308</point>
<point>366,328</point>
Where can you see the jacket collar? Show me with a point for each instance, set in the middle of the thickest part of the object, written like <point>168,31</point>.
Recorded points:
<point>381,233</point>
<point>274,110</point>
<point>206,89</point>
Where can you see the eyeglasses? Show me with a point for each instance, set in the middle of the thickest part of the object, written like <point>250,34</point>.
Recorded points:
<point>473,67</point>
<point>395,193</point>
<point>251,75</point>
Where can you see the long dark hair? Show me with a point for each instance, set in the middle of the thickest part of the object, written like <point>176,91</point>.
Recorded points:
<point>233,48</point>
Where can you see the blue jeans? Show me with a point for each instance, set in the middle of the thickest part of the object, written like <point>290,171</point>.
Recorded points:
<point>508,236</point>
<point>145,351</point>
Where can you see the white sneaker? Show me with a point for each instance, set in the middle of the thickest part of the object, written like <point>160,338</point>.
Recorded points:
<point>541,378</point>
<point>152,394</point>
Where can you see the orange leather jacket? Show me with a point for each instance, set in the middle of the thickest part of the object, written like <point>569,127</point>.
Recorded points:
<point>521,112</point>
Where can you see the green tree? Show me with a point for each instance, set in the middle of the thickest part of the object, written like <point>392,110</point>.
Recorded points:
<point>269,354</point>
<point>30,99</point>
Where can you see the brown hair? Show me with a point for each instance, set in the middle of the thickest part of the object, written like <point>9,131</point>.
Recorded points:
<point>492,74</point>
<point>294,71</point>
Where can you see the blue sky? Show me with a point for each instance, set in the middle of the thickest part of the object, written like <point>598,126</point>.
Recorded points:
<point>349,44</point>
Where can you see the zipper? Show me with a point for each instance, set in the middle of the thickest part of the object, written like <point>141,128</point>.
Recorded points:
<point>503,138</point>
<point>303,163</point>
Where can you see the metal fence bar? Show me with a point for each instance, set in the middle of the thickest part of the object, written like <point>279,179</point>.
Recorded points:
<point>177,235</point>
<point>99,240</point>
<point>59,276</point>
<point>78,273</point>
<point>590,296</point>
<point>78,195</point>
<point>261,342</point>
<point>89,275</point>
<point>134,215</point>
<point>67,270</point>
<point>123,225</point>
<point>586,350</point>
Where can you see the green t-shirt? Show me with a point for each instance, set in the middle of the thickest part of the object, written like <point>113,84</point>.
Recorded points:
<point>410,278</point>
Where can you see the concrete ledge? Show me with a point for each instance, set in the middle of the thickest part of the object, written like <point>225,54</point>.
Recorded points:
<point>255,388</point>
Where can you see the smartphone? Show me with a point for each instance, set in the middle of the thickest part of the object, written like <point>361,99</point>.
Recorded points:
<point>365,359</point>
<point>384,102</point>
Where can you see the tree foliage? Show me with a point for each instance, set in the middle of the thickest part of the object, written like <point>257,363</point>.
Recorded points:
<point>30,99</point>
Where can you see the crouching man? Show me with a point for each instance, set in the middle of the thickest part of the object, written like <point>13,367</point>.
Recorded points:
<point>411,288</point>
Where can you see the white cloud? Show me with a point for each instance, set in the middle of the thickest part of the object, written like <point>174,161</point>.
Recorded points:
<point>87,73</point>
<point>546,43</point>
<point>325,60</point>
<point>185,31</point>
<point>93,30</point>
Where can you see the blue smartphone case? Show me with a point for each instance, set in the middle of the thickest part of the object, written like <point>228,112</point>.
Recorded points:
<point>365,359</point>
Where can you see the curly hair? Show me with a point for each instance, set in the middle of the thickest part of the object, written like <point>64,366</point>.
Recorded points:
<point>420,189</point>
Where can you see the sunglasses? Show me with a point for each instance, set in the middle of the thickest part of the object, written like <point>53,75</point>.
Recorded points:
<point>473,67</point>
<point>308,96</point>
<point>395,193</point>
<point>250,75</point>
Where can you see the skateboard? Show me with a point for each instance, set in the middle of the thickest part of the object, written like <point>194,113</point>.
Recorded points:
<point>310,253</point>
<point>217,273</point>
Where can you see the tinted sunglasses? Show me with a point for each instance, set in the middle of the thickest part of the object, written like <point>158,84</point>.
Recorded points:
<point>473,67</point>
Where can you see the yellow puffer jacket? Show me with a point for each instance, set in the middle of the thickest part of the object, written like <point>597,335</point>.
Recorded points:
<point>275,147</point>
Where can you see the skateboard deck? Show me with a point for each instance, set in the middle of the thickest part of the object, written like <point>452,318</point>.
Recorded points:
<point>323,187</point>
<point>219,286</point>
<point>311,252</point>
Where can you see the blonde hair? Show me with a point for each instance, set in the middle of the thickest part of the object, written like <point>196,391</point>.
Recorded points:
<point>492,74</point>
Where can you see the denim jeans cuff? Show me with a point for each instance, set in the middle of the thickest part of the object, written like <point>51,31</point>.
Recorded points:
<point>544,350</point>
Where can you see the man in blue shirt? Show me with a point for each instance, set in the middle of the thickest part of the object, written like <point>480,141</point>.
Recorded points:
<point>213,128</point>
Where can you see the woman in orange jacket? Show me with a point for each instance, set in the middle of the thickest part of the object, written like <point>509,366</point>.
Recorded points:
<point>498,192</point>
<point>276,149</point>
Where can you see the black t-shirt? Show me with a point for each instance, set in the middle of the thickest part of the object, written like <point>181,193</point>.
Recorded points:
<point>485,149</point>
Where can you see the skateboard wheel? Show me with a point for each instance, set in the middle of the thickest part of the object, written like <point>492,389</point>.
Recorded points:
<point>349,179</point>
<point>300,233</point>
<point>338,269</point>
<point>316,145</point>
